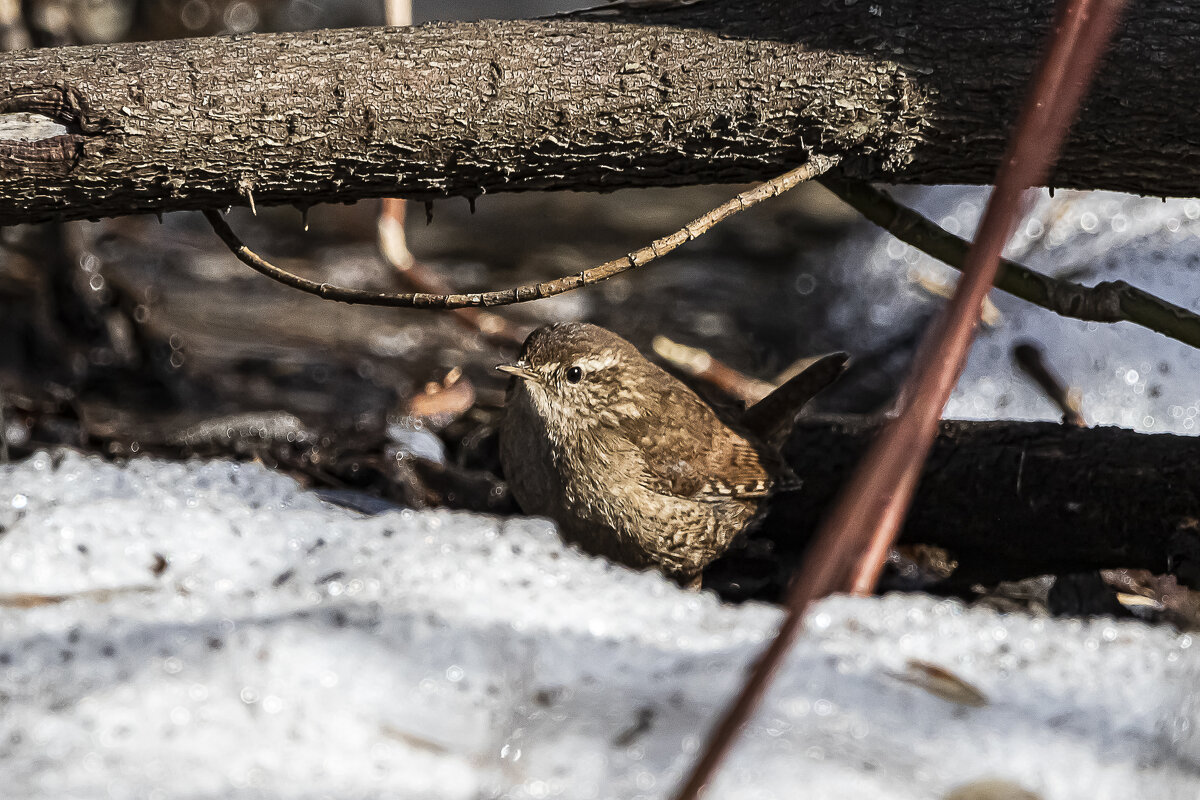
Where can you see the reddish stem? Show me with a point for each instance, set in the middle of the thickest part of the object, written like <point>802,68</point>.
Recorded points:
<point>851,546</point>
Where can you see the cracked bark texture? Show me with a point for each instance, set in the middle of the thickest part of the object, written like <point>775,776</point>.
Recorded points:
<point>719,91</point>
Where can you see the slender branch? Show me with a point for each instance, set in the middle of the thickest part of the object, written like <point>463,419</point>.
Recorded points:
<point>1110,301</point>
<point>422,278</point>
<point>817,165</point>
<point>701,364</point>
<point>852,542</point>
<point>1028,357</point>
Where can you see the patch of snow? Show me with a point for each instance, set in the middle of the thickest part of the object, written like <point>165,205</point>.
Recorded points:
<point>212,630</point>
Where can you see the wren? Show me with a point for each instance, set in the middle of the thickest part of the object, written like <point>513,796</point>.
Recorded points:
<point>627,460</point>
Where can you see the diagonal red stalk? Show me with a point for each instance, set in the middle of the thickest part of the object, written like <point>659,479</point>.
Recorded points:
<point>850,548</point>
<point>880,492</point>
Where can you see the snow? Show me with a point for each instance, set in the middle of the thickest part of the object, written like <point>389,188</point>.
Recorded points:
<point>212,630</point>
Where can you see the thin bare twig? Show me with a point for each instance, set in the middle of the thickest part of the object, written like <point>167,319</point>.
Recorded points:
<point>1110,301</point>
<point>702,365</point>
<point>393,244</point>
<point>419,276</point>
<point>1029,358</point>
<point>817,165</point>
<point>853,543</point>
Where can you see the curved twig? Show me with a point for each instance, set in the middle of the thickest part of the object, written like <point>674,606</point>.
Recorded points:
<point>1110,301</point>
<point>817,165</point>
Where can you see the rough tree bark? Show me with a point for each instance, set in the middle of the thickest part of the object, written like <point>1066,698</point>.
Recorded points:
<point>719,91</point>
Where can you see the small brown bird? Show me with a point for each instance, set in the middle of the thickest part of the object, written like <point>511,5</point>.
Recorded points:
<point>628,461</point>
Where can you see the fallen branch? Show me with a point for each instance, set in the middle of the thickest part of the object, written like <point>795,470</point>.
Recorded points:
<point>817,165</point>
<point>1012,500</point>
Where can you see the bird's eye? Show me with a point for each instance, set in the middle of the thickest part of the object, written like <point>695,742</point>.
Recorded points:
<point>574,375</point>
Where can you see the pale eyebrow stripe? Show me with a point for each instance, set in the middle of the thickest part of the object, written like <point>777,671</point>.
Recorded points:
<point>598,362</point>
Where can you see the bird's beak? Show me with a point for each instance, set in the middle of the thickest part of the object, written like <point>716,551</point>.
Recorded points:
<point>518,370</point>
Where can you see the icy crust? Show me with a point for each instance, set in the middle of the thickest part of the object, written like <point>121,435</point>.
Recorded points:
<point>210,630</point>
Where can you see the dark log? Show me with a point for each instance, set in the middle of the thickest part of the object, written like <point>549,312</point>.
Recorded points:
<point>719,91</point>
<point>1011,500</point>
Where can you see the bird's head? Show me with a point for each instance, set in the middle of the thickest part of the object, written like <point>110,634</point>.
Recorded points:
<point>579,377</point>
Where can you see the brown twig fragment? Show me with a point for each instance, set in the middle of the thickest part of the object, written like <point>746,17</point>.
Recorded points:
<point>702,365</point>
<point>393,244</point>
<point>1029,358</point>
<point>941,682</point>
<point>852,545</point>
<point>817,165</point>
<point>1110,301</point>
<point>420,277</point>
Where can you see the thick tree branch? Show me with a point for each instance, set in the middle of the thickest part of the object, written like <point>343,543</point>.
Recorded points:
<point>716,91</point>
<point>1014,499</point>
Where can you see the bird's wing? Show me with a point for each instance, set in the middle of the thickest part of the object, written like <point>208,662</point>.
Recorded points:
<point>703,466</point>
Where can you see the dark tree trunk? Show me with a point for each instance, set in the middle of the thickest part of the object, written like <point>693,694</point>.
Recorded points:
<point>714,92</point>
<point>1012,500</point>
